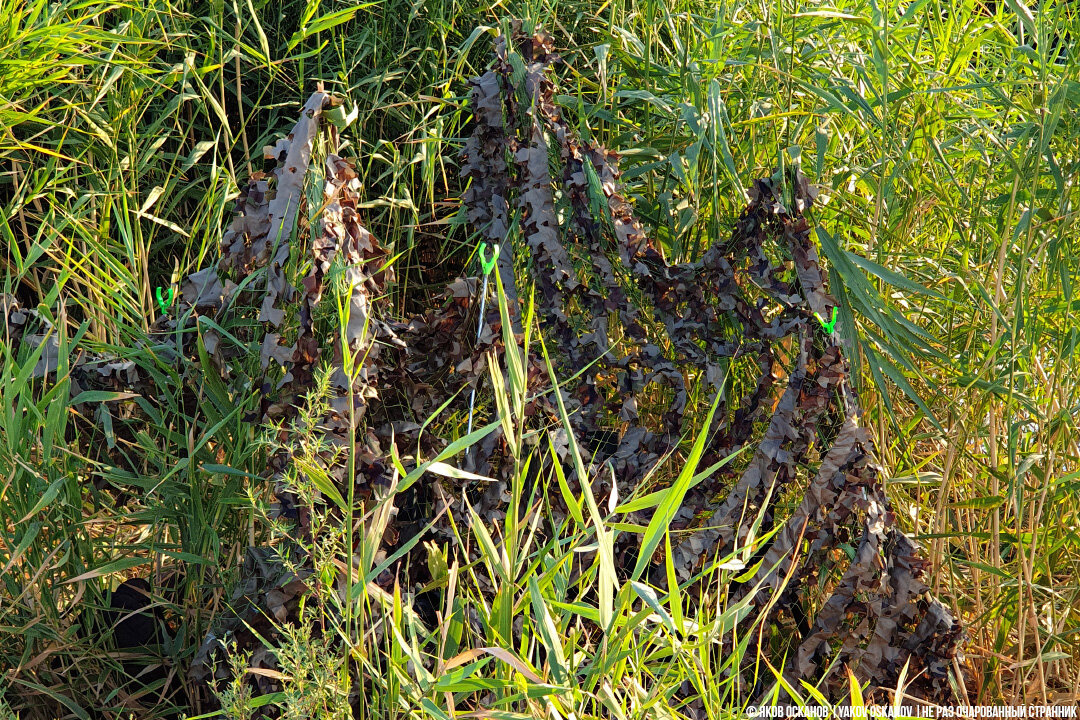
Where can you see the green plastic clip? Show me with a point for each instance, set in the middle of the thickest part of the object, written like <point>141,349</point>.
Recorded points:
<point>162,302</point>
<point>488,264</point>
<point>829,326</point>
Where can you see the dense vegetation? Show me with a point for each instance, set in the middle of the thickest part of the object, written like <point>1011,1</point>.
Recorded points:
<point>941,137</point>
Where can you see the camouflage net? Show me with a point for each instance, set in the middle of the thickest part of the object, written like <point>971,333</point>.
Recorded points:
<point>732,303</point>
<point>751,298</point>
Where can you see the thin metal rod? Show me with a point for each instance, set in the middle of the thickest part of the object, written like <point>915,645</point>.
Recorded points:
<point>479,331</point>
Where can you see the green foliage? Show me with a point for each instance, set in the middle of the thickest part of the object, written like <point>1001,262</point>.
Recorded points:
<point>942,136</point>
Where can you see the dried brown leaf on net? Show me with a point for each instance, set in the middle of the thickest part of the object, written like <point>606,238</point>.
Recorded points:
<point>272,349</point>
<point>540,225</point>
<point>484,163</point>
<point>526,141</point>
<point>27,328</point>
<point>205,289</point>
<point>32,331</point>
<point>259,234</point>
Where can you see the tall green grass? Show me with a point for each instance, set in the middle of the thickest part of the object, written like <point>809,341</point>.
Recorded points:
<point>943,135</point>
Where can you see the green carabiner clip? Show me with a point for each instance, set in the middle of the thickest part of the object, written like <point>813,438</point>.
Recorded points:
<point>829,326</point>
<point>162,302</point>
<point>488,264</point>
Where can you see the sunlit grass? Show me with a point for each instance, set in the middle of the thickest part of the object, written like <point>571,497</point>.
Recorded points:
<point>945,141</point>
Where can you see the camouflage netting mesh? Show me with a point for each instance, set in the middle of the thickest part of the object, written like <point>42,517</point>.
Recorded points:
<point>694,319</point>
<point>846,574</point>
